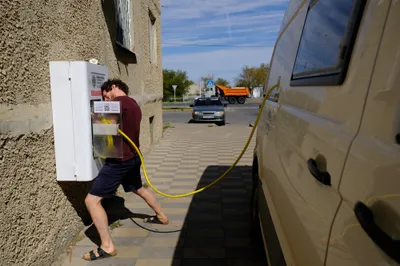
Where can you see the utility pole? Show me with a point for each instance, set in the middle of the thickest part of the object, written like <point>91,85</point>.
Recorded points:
<point>200,84</point>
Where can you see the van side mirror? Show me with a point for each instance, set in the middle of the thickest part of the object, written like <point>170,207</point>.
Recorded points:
<point>191,105</point>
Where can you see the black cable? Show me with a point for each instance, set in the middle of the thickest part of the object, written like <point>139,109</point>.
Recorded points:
<point>155,231</point>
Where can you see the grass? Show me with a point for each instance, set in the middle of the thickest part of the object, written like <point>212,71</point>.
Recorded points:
<point>166,126</point>
<point>114,225</point>
<point>178,100</point>
<point>181,109</point>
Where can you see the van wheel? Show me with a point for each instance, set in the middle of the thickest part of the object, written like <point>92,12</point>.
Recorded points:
<point>231,100</point>
<point>256,235</point>
<point>241,100</point>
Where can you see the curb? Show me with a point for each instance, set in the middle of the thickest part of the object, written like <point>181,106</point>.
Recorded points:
<point>176,109</point>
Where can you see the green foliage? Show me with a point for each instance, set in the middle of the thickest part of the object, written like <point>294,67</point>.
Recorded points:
<point>252,77</point>
<point>166,126</point>
<point>208,77</point>
<point>175,77</point>
<point>222,82</point>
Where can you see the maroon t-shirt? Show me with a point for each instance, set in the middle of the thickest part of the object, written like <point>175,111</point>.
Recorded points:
<point>131,118</point>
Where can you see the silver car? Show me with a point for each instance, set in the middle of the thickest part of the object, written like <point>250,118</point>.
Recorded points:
<point>209,109</point>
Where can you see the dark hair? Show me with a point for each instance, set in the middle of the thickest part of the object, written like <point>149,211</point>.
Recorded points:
<point>117,82</point>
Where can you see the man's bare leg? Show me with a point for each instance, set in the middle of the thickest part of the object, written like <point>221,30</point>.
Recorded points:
<point>100,220</point>
<point>151,200</point>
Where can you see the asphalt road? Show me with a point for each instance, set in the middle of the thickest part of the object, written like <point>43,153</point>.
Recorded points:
<point>235,114</point>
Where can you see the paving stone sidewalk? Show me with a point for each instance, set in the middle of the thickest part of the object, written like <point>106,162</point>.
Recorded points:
<point>209,228</point>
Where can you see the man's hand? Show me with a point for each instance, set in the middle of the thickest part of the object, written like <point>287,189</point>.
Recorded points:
<point>112,118</point>
<point>95,118</point>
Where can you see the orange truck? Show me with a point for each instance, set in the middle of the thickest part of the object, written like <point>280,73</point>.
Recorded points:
<point>232,95</point>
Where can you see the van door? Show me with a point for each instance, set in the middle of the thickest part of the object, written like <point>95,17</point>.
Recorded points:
<point>366,231</point>
<point>320,108</point>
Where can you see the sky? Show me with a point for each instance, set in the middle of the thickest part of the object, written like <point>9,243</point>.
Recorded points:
<point>219,37</point>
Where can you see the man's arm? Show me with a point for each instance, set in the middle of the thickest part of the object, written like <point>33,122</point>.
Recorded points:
<point>95,118</point>
<point>102,119</point>
<point>112,118</point>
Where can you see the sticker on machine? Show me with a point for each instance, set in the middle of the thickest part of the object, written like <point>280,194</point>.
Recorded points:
<point>107,107</point>
<point>95,93</point>
<point>96,80</point>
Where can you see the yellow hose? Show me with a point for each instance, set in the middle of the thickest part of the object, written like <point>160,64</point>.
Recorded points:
<point>110,140</point>
<point>219,178</point>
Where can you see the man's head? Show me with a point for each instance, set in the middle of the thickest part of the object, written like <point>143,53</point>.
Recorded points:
<point>113,88</point>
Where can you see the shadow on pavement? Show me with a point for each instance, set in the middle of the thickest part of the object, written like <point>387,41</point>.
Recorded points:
<point>191,121</point>
<point>217,227</point>
<point>116,210</point>
<point>76,193</point>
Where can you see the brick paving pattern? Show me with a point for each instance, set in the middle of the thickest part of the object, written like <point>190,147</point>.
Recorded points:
<point>209,228</point>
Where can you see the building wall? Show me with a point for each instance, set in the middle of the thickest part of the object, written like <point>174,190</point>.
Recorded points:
<point>194,90</point>
<point>40,216</point>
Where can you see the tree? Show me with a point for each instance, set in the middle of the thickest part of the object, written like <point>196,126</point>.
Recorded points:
<point>204,79</point>
<point>175,77</point>
<point>252,77</point>
<point>222,82</point>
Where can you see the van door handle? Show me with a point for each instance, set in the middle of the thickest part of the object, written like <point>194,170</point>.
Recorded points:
<point>387,244</point>
<point>322,177</point>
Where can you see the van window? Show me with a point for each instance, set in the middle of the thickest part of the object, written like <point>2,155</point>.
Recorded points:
<point>326,42</point>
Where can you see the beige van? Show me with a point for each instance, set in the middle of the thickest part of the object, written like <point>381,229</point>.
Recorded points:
<point>326,165</point>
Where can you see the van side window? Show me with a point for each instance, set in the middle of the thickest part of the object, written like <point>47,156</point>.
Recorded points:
<point>326,43</point>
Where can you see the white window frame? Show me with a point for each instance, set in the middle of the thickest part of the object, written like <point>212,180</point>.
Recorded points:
<point>123,17</point>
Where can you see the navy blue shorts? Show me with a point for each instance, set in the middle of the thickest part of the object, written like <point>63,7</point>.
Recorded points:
<point>115,173</point>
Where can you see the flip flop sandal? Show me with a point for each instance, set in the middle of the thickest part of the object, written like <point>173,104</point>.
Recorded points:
<point>102,254</point>
<point>153,220</point>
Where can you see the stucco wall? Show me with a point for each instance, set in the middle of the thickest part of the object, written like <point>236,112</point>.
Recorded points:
<point>40,216</point>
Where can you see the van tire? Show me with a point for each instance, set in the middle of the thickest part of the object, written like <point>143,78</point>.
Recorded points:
<point>231,100</point>
<point>255,229</point>
<point>241,100</point>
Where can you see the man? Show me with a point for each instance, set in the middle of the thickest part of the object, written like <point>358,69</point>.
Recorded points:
<point>125,171</point>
